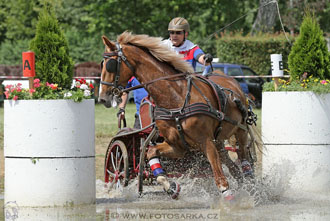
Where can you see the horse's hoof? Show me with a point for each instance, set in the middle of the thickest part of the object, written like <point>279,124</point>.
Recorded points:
<point>228,195</point>
<point>247,169</point>
<point>174,190</point>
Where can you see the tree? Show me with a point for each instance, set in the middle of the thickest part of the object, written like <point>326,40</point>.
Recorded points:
<point>53,62</point>
<point>309,52</point>
<point>293,13</point>
<point>266,17</point>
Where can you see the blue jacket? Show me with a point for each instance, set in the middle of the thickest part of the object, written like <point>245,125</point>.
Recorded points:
<point>139,94</point>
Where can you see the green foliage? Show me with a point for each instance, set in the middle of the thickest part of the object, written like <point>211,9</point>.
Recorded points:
<point>53,62</point>
<point>84,49</point>
<point>19,19</point>
<point>253,51</point>
<point>84,22</point>
<point>309,53</point>
<point>11,51</point>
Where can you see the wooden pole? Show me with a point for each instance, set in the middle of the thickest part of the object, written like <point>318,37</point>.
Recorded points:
<point>31,79</point>
<point>276,83</point>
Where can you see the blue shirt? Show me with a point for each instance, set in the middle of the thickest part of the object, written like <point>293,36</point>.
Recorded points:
<point>139,94</point>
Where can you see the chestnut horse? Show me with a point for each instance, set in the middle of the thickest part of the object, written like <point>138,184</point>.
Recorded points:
<point>168,79</point>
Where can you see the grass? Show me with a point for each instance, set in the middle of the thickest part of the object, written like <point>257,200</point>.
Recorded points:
<point>106,126</point>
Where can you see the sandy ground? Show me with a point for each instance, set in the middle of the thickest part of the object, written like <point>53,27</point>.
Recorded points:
<point>101,145</point>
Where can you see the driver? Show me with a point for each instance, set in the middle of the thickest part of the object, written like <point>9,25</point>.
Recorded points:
<point>178,29</point>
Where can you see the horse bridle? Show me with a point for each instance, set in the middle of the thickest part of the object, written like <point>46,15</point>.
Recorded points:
<point>119,89</point>
<point>113,66</point>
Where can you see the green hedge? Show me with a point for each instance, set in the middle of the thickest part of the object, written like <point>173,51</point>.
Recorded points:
<point>253,51</point>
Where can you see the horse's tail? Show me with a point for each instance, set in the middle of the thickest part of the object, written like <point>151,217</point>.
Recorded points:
<point>256,136</point>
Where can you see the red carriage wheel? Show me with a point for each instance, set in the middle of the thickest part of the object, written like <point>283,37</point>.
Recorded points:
<point>116,165</point>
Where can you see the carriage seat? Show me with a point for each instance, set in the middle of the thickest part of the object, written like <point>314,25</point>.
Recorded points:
<point>146,113</point>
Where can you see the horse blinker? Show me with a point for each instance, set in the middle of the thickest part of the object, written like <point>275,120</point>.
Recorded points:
<point>111,66</point>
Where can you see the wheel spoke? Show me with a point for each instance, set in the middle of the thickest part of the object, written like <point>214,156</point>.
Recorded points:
<point>116,166</point>
<point>113,163</point>
<point>122,174</point>
<point>110,173</point>
<point>118,185</point>
<point>117,158</point>
<point>120,160</point>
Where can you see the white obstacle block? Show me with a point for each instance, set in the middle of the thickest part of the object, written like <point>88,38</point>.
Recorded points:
<point>277,65</point>
<point>49,152</point>
<point>296,136</point>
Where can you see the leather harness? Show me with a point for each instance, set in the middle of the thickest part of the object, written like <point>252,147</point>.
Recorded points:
<point>187,110</point>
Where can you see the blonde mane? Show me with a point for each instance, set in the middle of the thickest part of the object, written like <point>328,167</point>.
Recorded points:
<point>157,49</point>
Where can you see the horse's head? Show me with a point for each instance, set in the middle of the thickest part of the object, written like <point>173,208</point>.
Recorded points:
<point>114,74</point>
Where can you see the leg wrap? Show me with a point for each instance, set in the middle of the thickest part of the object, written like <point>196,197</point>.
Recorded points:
<point>228,195</point>
<point>246,168</point>
<point>156,167</point>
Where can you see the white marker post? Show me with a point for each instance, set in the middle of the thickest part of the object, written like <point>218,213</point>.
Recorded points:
<point>277,68</point>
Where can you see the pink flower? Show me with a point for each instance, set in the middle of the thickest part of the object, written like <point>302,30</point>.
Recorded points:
<point>15,97</point>
<point>53,86</point>
<point>323,82</point>
<point>31,91</point>
<point>9,86</point>
<point>36,83</point>
<point>7,94</point>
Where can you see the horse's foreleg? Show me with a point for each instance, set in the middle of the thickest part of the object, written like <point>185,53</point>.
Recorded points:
<point>214,158</point>
<point>233,168</point>
<point>242,152</point>
<point>163,149</point>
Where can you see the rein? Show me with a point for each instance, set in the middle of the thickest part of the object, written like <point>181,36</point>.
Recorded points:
<point>153,81</point>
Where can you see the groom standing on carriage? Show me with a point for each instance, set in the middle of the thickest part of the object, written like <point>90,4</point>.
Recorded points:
<point>178,29</point>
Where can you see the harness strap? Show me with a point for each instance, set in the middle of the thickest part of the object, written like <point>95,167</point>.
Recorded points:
<point>185,112</point>
<point>186,101</point>
<point>179,128</point>
<point>190,110</point>
<point>236,123</point>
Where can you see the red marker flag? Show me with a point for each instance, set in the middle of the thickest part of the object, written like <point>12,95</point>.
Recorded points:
<point>28,64</point>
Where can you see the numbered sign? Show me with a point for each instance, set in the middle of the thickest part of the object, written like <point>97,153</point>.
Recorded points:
<point>28,64</point>
<point>277,65</point>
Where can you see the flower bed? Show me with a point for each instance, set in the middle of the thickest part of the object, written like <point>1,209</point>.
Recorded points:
<point>49,91</point>
<point>314,84</point>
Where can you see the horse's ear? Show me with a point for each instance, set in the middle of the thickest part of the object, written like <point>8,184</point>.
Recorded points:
<point>109,43</point>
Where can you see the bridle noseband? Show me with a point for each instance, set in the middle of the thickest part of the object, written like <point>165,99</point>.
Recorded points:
<point>117,89</point>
